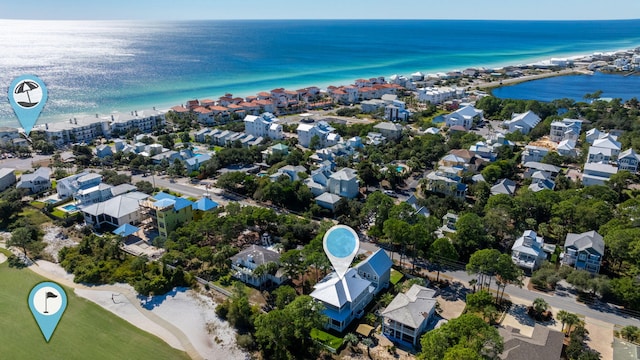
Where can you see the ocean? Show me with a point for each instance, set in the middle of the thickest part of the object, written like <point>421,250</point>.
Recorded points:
<point>103,66</point>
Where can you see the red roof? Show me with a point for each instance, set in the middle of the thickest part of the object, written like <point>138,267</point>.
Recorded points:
<point>218,108</point>
<point>179,109</point>
<point>202,110</point>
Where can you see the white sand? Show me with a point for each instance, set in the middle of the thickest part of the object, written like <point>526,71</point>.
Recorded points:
<point>182,318</point>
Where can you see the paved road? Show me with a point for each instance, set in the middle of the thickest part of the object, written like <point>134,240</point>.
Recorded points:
<point>562,299</point>
<point>23,164</point>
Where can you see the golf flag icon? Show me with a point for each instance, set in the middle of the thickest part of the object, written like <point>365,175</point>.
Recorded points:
<point>47,302</point>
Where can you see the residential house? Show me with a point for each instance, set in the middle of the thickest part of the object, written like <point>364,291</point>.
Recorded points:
<point>597,174</point>
<point>532,167</point>
<point>69,186</point>
<point>599,155</point>
<point>8,135</point>
<point>567,148</point>
<point>246,261</point>
<point>528,252</point>
<point>193,163</point>
<point>328,200</point>
<point>544,342</point>
<point>422,210</point>
<point>169,211</point>
<point>396,111</point>
<point>628,160</point>
<point>377,269</point>
<point>609,144</point>
<point>504,186</point>
<point>343,299</point>
<point>344,183</point>
<point>406,318</point>
<point>447,181</point>
<point>36,182</point>
<point>289,171</point>
<point>567,129</point>
<point>449,221</point>
<point>202,206</point>
<point>594,134</point>
<point>541,180</point>
<point>277,149</point>
<point>584,251</point>
<point>533,153</point>
<point>321,130</point>
<point>265,125</point>
<point>7,178</point>
<point>389,130</point>
<point>483,150</point>
<point>93,194</point>
<point>524,122</point>
<point>102,151</point>
<point>115,212</point>
<point>465,117</point>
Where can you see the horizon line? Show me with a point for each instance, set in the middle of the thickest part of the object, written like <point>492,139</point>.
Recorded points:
<point>317,19</point>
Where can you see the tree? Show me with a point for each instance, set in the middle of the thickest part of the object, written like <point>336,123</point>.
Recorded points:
<point>466,331</point>
<point>350,339</point>
<point>484,264</point>
<point>21,237</point>
<point>442,250</point>
<point>145,187</point>
<point>479,300</point>
<point>368,342</point>
<point>630,332</point>
<point>470,235</point>
<point>562,316</point>
<point>284,295</point>
<point>580,279</point>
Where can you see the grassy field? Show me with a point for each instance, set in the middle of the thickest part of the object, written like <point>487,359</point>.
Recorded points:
<point>86,331</point>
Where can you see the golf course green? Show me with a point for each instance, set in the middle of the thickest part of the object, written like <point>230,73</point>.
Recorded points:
<point>86,331</point>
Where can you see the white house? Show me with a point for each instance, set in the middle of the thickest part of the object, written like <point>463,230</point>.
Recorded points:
<point>527,252</point>
<point>265,125</point>
<point>37,181</point>
<point>322,130</point>
<point>628,160</point>
<point>343,299</point>
<point>70,185</point>
<point>567,129</point>
<point>7,178</point>
<point>464,117</point>
<point>584,251</point>
<point>290,171</point>
<point>246,261</point>
<point>599,155</point>
<point>389,130</point>
<point>597,174</point>
<point>504,186</point>
<point>406,318</point>
<point>567,148</point>
<point>595,134</point>
<point>328,200</point>
<point>533,153</point>
<point>524,122</point>
<point>533,167</point>
<point>609,143</point>
<point>102,151</point>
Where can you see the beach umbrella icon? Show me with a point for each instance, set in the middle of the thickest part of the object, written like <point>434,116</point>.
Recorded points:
<point>23,88</point>
<point>48,295</point>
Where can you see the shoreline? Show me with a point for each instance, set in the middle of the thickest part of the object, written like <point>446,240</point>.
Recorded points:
<point>525,65</point>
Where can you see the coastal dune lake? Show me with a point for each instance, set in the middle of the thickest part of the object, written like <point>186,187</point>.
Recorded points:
<point>573,87</point>
<point>94,67</point>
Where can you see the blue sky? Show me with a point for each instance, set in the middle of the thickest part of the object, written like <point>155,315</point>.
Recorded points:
<point>321,9</point>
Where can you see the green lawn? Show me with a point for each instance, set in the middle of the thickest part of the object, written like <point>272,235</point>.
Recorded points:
<point>326,338</point>
<point>86,331</point>
<point>36,217</point>
<point>396,276</point>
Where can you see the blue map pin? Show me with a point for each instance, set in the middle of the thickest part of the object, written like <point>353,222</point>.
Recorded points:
<point>47,302</point>
<point>27,95</point>
<point>341,244</point>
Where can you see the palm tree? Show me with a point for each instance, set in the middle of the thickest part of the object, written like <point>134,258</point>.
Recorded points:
<point>562,317</point>
<point>369,344</point>
<point>350,339</point>
<point>540,306</point>
<point>572,320</point>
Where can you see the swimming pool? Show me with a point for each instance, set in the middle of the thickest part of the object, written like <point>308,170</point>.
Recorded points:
<point>70,208</point>
<point>51,201</point>
<point>399,169</point>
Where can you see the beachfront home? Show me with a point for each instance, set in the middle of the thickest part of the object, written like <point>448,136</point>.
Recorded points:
<point>597,174</point>
<point>584,251</point>
<point>406,318</point>
<point>36,182</point>
<point>115,212</point>
<point>265,125</point>
<point>527,251</point>
<point>628,160</point>
<point>7,178</point>
<point>524,122</point>
<point>465,117</point>
<point>567,129</point>
<point>244,264</point>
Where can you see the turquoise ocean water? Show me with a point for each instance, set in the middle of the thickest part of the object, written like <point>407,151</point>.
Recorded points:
<point>102,66</point>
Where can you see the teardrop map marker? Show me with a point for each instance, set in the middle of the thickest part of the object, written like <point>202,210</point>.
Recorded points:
<point>27,95</point>
<point>341,244</point>
<point>47,302</point>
